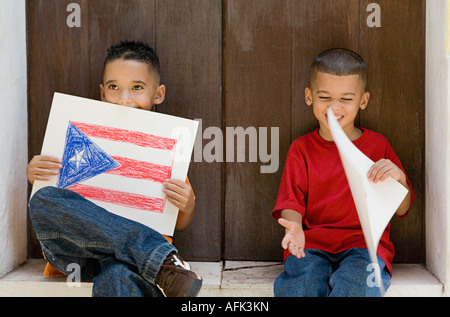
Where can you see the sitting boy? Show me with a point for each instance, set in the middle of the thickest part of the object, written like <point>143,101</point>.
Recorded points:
<point>120,256</point>
<point>325,251</point>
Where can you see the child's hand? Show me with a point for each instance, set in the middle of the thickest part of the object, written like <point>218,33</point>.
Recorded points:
<point>180,194</point>
<point>41,168</point>
<point>294,238</point>
<point>383,169</point>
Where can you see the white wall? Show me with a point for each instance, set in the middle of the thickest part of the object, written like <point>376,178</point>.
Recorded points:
<point>437,180</point>
<point>13,135</point>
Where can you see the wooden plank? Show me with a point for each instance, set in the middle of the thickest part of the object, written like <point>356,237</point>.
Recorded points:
<point>55,57</point>
<point>53,62</point>
<point>395,56</point>
<point>189,43</point>
<point>257,68</point>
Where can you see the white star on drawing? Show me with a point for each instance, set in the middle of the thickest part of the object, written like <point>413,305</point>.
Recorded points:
<point>78,158</point>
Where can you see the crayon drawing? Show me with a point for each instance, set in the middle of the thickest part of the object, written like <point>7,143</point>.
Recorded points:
<point>118,157</point>
<point>84,159</point>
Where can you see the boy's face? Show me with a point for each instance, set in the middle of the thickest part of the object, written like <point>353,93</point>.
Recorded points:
<point>130,83</point>
<point>344,94</point>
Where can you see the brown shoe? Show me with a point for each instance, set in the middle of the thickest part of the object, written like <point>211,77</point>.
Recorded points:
<point>175,278</point>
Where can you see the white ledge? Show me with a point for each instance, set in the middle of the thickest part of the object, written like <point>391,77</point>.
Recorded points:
<point>234,279</point>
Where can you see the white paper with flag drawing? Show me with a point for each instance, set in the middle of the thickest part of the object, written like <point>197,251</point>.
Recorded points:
<point>375,203</point>
<point>119,157</point>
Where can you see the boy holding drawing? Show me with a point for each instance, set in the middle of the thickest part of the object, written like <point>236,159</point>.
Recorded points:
<point>122,257</point>
<point>325,251</point>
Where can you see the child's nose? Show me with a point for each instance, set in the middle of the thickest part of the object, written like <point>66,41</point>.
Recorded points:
<point>335,104</point>
<point>125,99</point>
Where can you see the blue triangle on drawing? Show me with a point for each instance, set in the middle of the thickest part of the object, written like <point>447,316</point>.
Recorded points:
<point>82,159</point>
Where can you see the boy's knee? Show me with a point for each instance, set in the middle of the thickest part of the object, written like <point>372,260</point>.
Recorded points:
<point>41,198</point>
<point>44,193</point>
<point>42,202</point>
<point>48,195</point>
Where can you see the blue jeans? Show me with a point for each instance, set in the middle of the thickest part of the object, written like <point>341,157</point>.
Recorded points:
<point>322,274</point>
<point>120,256</point>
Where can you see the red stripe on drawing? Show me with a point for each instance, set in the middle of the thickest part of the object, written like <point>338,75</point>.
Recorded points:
<point>120,198</point>
<point>121,135</point>
<point>141,170</point>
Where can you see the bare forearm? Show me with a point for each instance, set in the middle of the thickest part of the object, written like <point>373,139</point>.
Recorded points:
<point>404,206</point>
<point>184,219</point>
<point>292,215</point>
<point>294,237</point>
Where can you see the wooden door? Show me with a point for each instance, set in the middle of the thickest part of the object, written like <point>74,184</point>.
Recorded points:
<point>269,45</point>
<point>188,42</point>
<point>242,63</point>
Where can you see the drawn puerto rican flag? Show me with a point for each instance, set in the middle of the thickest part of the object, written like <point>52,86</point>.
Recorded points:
<point>94,165</point>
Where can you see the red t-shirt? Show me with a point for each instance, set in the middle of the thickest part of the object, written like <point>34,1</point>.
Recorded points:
<point>314,184</point>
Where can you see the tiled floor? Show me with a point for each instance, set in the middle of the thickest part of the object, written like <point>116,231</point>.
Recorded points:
<point>232,279</point>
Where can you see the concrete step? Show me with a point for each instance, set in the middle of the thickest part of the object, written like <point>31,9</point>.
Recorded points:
<point>229,279</point>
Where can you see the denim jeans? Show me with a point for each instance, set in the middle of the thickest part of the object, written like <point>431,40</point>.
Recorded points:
<point>120,256</point>
<point>323,274</point>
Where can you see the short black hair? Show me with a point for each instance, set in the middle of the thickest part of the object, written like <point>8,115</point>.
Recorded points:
<point>135,50</point>
<point>339,62</point>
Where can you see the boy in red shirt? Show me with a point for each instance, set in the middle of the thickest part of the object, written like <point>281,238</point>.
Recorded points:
<point>325,251</point>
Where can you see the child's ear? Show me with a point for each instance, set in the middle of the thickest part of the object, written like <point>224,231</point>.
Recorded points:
<point>308,96</point>
<point>364,101</point>
<point>160,95</point>
<point>102,92</point>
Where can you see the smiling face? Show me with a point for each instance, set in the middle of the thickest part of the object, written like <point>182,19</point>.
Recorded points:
<point>130,83</point>
<point>344,94</point>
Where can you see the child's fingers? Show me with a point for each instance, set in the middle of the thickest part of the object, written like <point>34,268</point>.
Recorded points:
<point>373,171</point>
<point>376,176</point>
<point>285,242</point>
<point>291,240</point>
<point>378,170</point>
<point>175,202</point>
<point>40,160</point>
<point>382,170</point>
<point>283,222</point>
<point>174,197</point>
<point>45,172</point>
<point>296,251</point>
<point>185,205</point>
<point>49,166</point>
<point>180,194</point>
<point>174,194</point>
<point>48,159</point>
<point>40,178</point>
<point>176,185</point>
<point>176,190</point>
<point>44,165</point>
<point>289,225</point>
